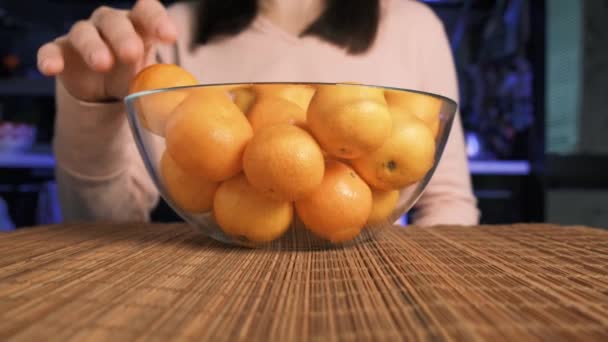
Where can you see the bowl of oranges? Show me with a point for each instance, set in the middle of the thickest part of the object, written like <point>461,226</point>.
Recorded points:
<point>285,163</point>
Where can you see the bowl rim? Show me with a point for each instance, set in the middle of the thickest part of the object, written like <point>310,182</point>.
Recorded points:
<point>142,93</point>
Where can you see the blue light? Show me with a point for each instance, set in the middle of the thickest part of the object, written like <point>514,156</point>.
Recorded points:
<point>473,145</point>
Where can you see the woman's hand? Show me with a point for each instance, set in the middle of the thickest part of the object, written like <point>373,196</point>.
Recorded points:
<point>98,57</point>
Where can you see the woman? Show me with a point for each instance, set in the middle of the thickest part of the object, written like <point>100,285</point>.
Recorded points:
<point>398,43</point>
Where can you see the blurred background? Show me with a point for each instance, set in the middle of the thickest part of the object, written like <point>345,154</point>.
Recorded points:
<point>533,77</point>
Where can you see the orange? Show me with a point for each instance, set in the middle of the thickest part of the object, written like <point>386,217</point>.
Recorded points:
<point>241,211</point>
<point>300,94</point>
<point>154,109</point>
<point>405,157</point>
<point>383,204</point>
<point>268,111</point>
<point>190,192</point>
<point>283,162</point>
<point>426,107</point>
<point>244,98</point>
<point>329,96</point>
<point>207,134</point>
<point>305,127</point>
<point>349,121</point>
<point>338,209</point>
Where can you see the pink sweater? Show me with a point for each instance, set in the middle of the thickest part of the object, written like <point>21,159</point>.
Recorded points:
<point>101,175</point>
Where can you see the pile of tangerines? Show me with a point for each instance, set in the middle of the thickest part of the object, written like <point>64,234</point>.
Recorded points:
<point>256,156</point>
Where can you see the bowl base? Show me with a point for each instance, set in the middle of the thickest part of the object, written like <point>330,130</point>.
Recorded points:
<point>296,238</point>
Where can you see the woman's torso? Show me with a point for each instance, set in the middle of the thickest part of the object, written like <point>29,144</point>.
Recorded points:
<point>266,52</point>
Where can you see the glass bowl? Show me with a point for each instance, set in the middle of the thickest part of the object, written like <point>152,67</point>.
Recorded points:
<point>304,165</point>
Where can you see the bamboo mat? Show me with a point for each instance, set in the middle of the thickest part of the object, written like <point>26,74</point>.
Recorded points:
<point>167,282</point>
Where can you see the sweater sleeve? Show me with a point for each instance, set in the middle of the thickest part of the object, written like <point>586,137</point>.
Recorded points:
<point>448,198</point>
<point>99,172</point>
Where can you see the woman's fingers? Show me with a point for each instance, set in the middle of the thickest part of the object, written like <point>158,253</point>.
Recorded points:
<point>151,19</point>
<point>119,33</point>
<point>50,59</point>
<point>87,41</point>
<point>108,36</point>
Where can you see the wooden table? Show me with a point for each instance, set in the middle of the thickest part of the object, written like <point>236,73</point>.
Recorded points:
<point>167,282</point>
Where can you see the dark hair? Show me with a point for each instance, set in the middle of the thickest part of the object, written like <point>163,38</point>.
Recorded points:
<point>351,24</point>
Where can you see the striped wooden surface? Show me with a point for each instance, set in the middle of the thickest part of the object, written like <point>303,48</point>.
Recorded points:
<point>166,282</point>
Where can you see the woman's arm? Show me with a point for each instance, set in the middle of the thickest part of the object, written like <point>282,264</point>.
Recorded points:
<point>99,172</point>
<point>448,199</point>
